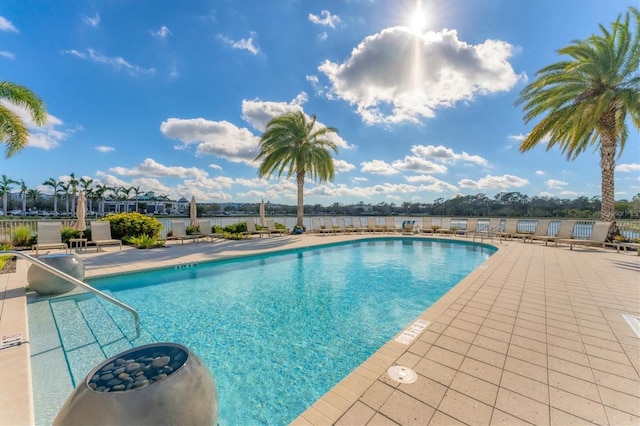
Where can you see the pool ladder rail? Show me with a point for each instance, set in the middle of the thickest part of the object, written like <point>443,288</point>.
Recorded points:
<point>78,283</point>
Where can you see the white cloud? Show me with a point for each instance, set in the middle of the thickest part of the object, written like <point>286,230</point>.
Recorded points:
<point>103,148</point>
<point>243,44</point>
<point>359,179</point>
<point>333,191</point>
<point>555,184</point>
<point>6,25</point>
<point>446,155</point>
<point>327,19</point>
<point>215,166</point>
<point>378,167</point>
<point>400,75</point>
<point>633,167</point>
<point>540,173</point>
<point>494,182</point>
<point>116,62</point>
<point>258,113</point>
<point>6,54</point>
<point>151,168</point>
<point>163,32</point>
<point>418,164</point>
<point>219,138</point>
<point>92,21</point>
<point>342,166</point>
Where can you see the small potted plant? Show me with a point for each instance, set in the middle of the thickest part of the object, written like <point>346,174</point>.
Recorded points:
<point>298,229</point>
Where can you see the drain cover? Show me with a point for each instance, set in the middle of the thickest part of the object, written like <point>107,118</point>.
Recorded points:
<point>402,374</point>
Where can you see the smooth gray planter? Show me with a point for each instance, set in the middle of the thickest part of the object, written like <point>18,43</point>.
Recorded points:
<point>156,384</point>
<point>45,283</point>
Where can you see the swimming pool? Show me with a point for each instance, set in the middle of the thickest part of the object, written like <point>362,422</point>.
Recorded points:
<point>277,331</point>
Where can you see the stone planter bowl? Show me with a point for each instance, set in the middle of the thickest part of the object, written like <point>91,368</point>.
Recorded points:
<point>45,283</point>
<point>180,390</point>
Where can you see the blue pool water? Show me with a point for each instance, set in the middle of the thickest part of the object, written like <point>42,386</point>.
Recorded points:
<point>277,331</point>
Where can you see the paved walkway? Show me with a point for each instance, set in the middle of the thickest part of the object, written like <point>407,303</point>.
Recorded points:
<point>534,335</point>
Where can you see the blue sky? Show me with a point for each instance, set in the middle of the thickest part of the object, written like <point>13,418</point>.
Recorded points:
<point>172,96</point>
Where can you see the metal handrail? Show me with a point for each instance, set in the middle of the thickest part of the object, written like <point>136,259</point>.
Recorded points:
<point>77,282</point>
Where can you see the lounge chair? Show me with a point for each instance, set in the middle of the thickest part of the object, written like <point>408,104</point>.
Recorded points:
<point>470,227</point>
<point>408,227</point>
<point>101,235</point>
<point>445,226</point>
<point>390,225</point>
<point>252,229</point>
<point>510,229</point>
<point>427,223</point>
<point>372,226</point>
<point>206,230</point>
<point>598,237</point>
<point>328,224</point>
<point>357,225</point>
<point>49,237</point>
<point>318,228</point>
<point>179,232</point>
<point>565,232</point>
<point>271,227</point>
<point>541,229</point>
<point>342,226</point>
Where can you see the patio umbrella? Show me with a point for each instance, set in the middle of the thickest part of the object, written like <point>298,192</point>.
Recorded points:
<point>262,220</point>
<point>193,212</point>
<point>81,211</point>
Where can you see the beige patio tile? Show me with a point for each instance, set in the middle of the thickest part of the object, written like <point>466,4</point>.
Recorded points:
<point>621,384</point>
<point>559,417</point>
<point>358,414</point>
<point>525,386</point>
<point>441,419</point>
<point>574,385</point>
<point>612,355</point>
<point>474,388</point>
<point>419,347</point>
<point>501,418</point>
<point>568,355</point>
<point>528,355</point>
<point>526,369</point>
<point>406,410</point>
<point>435,371</point>
<point>445,357</point>
<point>486,355</point>
<point>494,334</point>
<point>465,409</point>
<point>459,334</point>
<point>481,370</point>
<point>571,368</point>
<point>531,344</point>
<point>377,394</point>
<point>337,401</point>
<point>620,401</point>
<point>380,420</point>
<point>540,336</point>
<point>505,319</point>
<point>425,390</point>
<point>499,346</point>
<point>617,417</point>
<point>315,417</point>
<point>522,407</point>
<point>577,405</point>
<point>613,367</point>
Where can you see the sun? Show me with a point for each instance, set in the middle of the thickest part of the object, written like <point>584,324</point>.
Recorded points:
<point>418,18</point>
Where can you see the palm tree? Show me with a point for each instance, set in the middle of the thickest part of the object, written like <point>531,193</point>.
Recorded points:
<point>56,190</point>
<point>100,193</point>
<point>23,193</point>
<point>64,186</point>
<point>85,183</point>
<point>587,99</point>
<point>35,195</point>
<point>136,192</point>
<point>5,190</point>
<point>292,141</point>
<point>13,131</point>
<point>73,186</point>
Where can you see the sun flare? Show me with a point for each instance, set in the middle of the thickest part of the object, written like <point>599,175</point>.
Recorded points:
<point>418,19</point>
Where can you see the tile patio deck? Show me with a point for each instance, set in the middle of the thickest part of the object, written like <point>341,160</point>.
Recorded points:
<point>535,335</point>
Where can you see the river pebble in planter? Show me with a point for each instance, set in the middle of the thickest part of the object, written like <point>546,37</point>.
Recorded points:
<point>142,369</point>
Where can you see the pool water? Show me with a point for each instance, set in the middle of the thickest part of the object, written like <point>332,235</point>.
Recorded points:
<point>277,331</point>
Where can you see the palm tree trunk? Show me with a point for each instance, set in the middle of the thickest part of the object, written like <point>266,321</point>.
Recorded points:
<point>607,165</point>
<point>300,212</point>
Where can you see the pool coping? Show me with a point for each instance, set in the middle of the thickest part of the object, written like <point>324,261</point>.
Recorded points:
<point>369,395</point>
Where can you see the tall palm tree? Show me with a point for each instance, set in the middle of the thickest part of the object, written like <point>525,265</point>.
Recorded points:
<point>73,187</point>
<point>291,141</point>
<point>136,192</point>
<point>65,188</point>
<point>34,195</point>
<point>5,190</point>
<point>588,98</point>
<point>57,186</point>
<point>100,192</point>
<point>23,194</point>
<point>85,184</point>
<point>13,131</point>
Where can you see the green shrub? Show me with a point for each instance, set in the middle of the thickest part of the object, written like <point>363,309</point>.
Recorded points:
<point>235,228</point>
<point>22,236</point>
<point>143,241</point>
<point>233,236</point>
<point>69,233</point>
<point>192,230</point>
<point>133,224</point>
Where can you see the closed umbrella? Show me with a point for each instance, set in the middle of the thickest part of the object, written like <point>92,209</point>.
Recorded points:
<point>81,211</point>
<point>193,212</point>
<point>262,214</point>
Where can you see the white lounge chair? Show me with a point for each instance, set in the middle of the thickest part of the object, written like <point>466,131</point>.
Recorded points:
<point>271,226</point>
<point>179,232</point>
<point>49,237</point>
<point>390,225</point>
<point>318,228</point>
<point>470,227</point>
<point>565,232</point>
<point>427,225</point>
<point>252,229</point>
<point>101,234</point>
<point>541,229</point>
<point>445,226</point>
<point>598,237</point>
<point>206,230</point>
<point>372,226</point>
